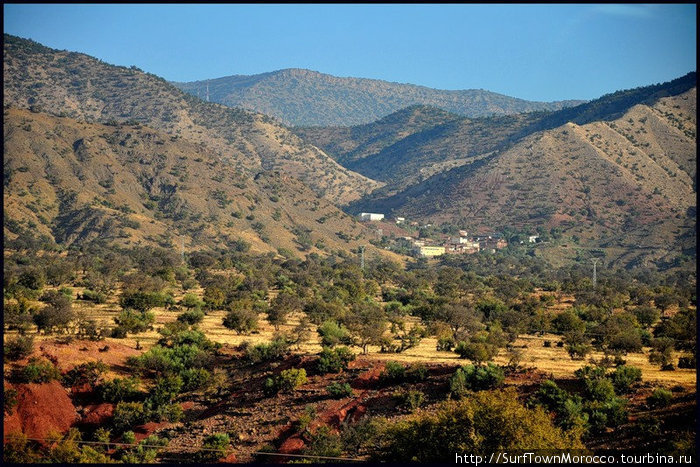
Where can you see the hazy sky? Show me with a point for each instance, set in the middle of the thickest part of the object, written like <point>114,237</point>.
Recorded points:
<point>536,52</point>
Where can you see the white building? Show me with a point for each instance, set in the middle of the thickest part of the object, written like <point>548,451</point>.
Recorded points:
<point>533,238</point>
<point>370,216</point>
<point>400,220</point>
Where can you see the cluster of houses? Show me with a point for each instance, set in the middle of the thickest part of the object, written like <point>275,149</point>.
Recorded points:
<point>462,244</point>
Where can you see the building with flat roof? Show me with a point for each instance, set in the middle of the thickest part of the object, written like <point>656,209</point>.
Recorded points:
<point>371,216</point>
<point>430,250</point>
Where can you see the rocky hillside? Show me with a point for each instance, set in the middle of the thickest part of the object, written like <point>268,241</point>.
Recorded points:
<point>85,89</point>
<point>135,185</point>
<point>415,143</point>
<point>309,98</point>
<point>627,184</point>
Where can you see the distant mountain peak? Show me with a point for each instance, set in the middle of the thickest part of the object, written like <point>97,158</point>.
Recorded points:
<point>302,97</point>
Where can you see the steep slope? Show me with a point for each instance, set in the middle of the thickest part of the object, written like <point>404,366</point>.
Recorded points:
<point>627,184</point>
<point>350,144</point>
<point>418,142</point>
<point>81,87</point>
<point>309,98</point>
<point>132,184</point>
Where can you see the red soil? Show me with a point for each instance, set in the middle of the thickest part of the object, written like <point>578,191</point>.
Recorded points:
<point>97,414</point>
<point>41,409</point>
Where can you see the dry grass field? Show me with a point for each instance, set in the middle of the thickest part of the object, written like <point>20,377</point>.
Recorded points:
<point>550,360</point>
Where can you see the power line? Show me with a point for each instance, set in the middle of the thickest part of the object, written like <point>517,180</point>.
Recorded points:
<point>158,446</point>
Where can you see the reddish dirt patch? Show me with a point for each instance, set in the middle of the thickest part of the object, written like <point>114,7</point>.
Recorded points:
<point>41,409</point>
<point>147,429</point>
<point>97,414</point>
<point>68,355</point>
<point>292,445</point>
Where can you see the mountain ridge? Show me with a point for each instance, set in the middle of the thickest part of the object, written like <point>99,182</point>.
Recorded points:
<point>300,97</point>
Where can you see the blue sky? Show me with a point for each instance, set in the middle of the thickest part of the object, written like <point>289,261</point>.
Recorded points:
<point>536,52</point>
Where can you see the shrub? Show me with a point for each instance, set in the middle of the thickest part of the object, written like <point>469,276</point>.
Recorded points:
<point>92,296</point>
<point>659,398</point>
<point>18,347</point>
<point>191,316</point>
<point>214,447</point>
<point>410,400</point>
<point>624,377</point>
<point>131,321</point>
<point>195,378</point>
<point>291,379</point>
<point>129,414</point>
<point>488,421</point>
<point>416,372</point>
<point>88,373</point>
<point>324,443</point>
<point>478,352</point>
<point>119,389</point>
<point>287,381</point>
<point>333,334</point>
<point>600,390</point>
<point>142,301</point>
<point>394,372</point>
<point>275,349</point>
<point>243,321</point>
<point>578,351</point>
<point>649,426</point>
<point>334,360</point>
<point>39,371</point>
<point>476,378</point>
<point>445,344</point>
<point>339,390</point>
<point>9,400</point>
<point>687,362</point>
<point>191,301</point>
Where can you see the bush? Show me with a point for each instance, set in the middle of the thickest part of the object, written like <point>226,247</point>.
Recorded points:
<point>339,390</point>
<point>191,317</point>
<point>445,344</point>
<point>410,400</point>
<point>18,347</point>
<point>324,443</point>
<point>394,372</point>
<point>119,389</point>
<point>568,408</point>
<point>88,373</point>
<point>478,352</point>
<point>659,398</point>
<point>334,360</point>
<point>132,321</point>
<point>243,321</point>
<point>600,390</point>
<point>687,362</point>
<point>287,381</point>
<point>214,447</point>
<point>274,350</point>
<point>484,423</point>
<point>333,334</point>
<point>476,378</point>
<point>9,400</point>
<point>142,301</point>
<point>39,371</point>
<point>624,377</point>
<point>92,296</point>
<point>128,415</point>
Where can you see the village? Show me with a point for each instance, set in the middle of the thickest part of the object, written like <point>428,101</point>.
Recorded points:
<point>406,235</point>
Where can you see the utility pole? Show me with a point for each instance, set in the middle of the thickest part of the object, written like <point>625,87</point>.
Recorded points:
<point>595,260</point>
<point>207,90</point>
<point>362,257</point>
